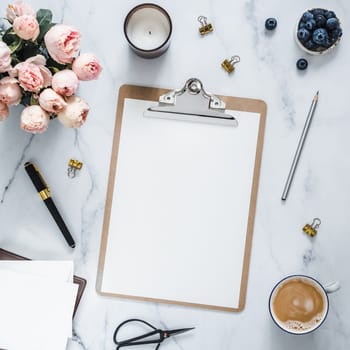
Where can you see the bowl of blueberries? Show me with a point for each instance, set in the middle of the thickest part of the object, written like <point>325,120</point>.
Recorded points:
<point>318,31</point>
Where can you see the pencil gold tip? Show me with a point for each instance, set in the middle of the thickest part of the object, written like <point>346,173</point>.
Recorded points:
<point>316,96</point>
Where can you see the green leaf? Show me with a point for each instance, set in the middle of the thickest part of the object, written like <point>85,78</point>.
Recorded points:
<point>13,41</point>
<point>53,69</point>
<point>33,100</point>
<point>28,49</point>
<point>44,16</point>
<point>44,28</point>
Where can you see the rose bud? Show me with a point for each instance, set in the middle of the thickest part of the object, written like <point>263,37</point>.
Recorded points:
<point>51,101</point>
<point>87,67</point>
<point>10,92</point>
<point>74,115</point>
<point>65,82</point>
<point>26,27</point>
<point>5,57</point>
<point>4,111</point>
<point>62,42</point>
<point>18,9</point>
<point>34,119</point>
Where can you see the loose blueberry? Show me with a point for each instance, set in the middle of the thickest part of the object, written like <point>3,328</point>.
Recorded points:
<point>329,14</point>
<point>303,34</point>
<point>310,45</point>
<point>310,25</point>
<point>302,63</point>
<point>271,23</point>
<point>307,16</point>
<point>318,12</point>
<point>332,23</point>
<point>320,36</point>
<point>320,21</point>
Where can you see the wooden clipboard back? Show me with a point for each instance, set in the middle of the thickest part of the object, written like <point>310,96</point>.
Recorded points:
<point>153,94</point>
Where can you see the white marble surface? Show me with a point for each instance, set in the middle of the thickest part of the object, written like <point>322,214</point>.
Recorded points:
<point>267,70</point>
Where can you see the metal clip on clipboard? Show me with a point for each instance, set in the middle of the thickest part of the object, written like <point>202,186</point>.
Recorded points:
<point>191,103</point>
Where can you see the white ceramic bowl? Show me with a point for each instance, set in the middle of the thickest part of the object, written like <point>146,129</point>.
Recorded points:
<point>310,52</point>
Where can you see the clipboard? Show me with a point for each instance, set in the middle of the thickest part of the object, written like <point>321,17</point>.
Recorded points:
<point>6,255</point>
<point>181,197</point>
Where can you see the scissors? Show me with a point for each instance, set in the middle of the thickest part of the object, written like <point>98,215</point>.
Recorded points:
<point>144,338</point>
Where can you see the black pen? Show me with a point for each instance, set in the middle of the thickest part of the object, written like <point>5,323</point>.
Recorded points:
<point>44,192</point>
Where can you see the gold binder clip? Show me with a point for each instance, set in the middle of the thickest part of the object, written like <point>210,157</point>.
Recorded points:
<point>73,167</point>
<point>311,230</point>
<point>206,27</point>
<point>229,65</point>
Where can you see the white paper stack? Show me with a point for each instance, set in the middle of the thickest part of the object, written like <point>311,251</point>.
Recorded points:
<point>37,301</point>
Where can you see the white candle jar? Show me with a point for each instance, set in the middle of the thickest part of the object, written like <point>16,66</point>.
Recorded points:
<point>147,29</point>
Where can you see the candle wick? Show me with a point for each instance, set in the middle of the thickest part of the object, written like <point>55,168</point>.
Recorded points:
<point>149,32</point>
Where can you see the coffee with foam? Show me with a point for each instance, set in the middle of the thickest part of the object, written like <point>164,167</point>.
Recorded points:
<point>299,304</point>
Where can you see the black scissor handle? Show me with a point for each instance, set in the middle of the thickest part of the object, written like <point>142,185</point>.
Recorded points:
<point>138,340</point>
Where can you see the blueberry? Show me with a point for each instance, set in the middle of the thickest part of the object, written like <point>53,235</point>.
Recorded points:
<point>310,45</point>
<point>328,43</point>
<point>320,36</point>
<point>329,14</point>
<point>307,16</point>
<point>301,25</point>
<point>320,20</point>
<point>336,34</point>
<point>332,23</point>
<point>310,25</point>
<point>302,63</point>
<point>303,34</point>
<point>271,23</point>
<point>318,12</point>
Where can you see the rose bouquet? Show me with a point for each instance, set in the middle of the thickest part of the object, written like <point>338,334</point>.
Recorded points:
<point>40,68</point>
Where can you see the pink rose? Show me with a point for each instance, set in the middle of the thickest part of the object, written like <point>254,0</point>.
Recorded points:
<point>26,27</point>
<point>34,119</point>
<point>74,115</point>
<point>65,82</point>
<point>18,9</point>
<point>51,102</point>
<point>5,57</point>
<point>62,42</point>
<point>32,74</point>
<point>4,111</point>
<point>87,67</point>
<point>10,92</point>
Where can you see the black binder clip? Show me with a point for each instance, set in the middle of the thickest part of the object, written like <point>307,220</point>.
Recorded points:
<point>206,28</point>
<point>229,65</point>
<point>311,230</point>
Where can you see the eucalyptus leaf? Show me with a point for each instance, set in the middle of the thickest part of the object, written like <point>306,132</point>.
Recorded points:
<point>44,16</point>
<point>44,28</point>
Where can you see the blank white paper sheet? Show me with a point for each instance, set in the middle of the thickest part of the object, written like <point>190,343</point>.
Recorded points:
<point>180,209</point>
<point>37,300</point>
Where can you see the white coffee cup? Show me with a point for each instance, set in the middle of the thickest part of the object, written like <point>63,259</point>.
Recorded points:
<point>287,300</point>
